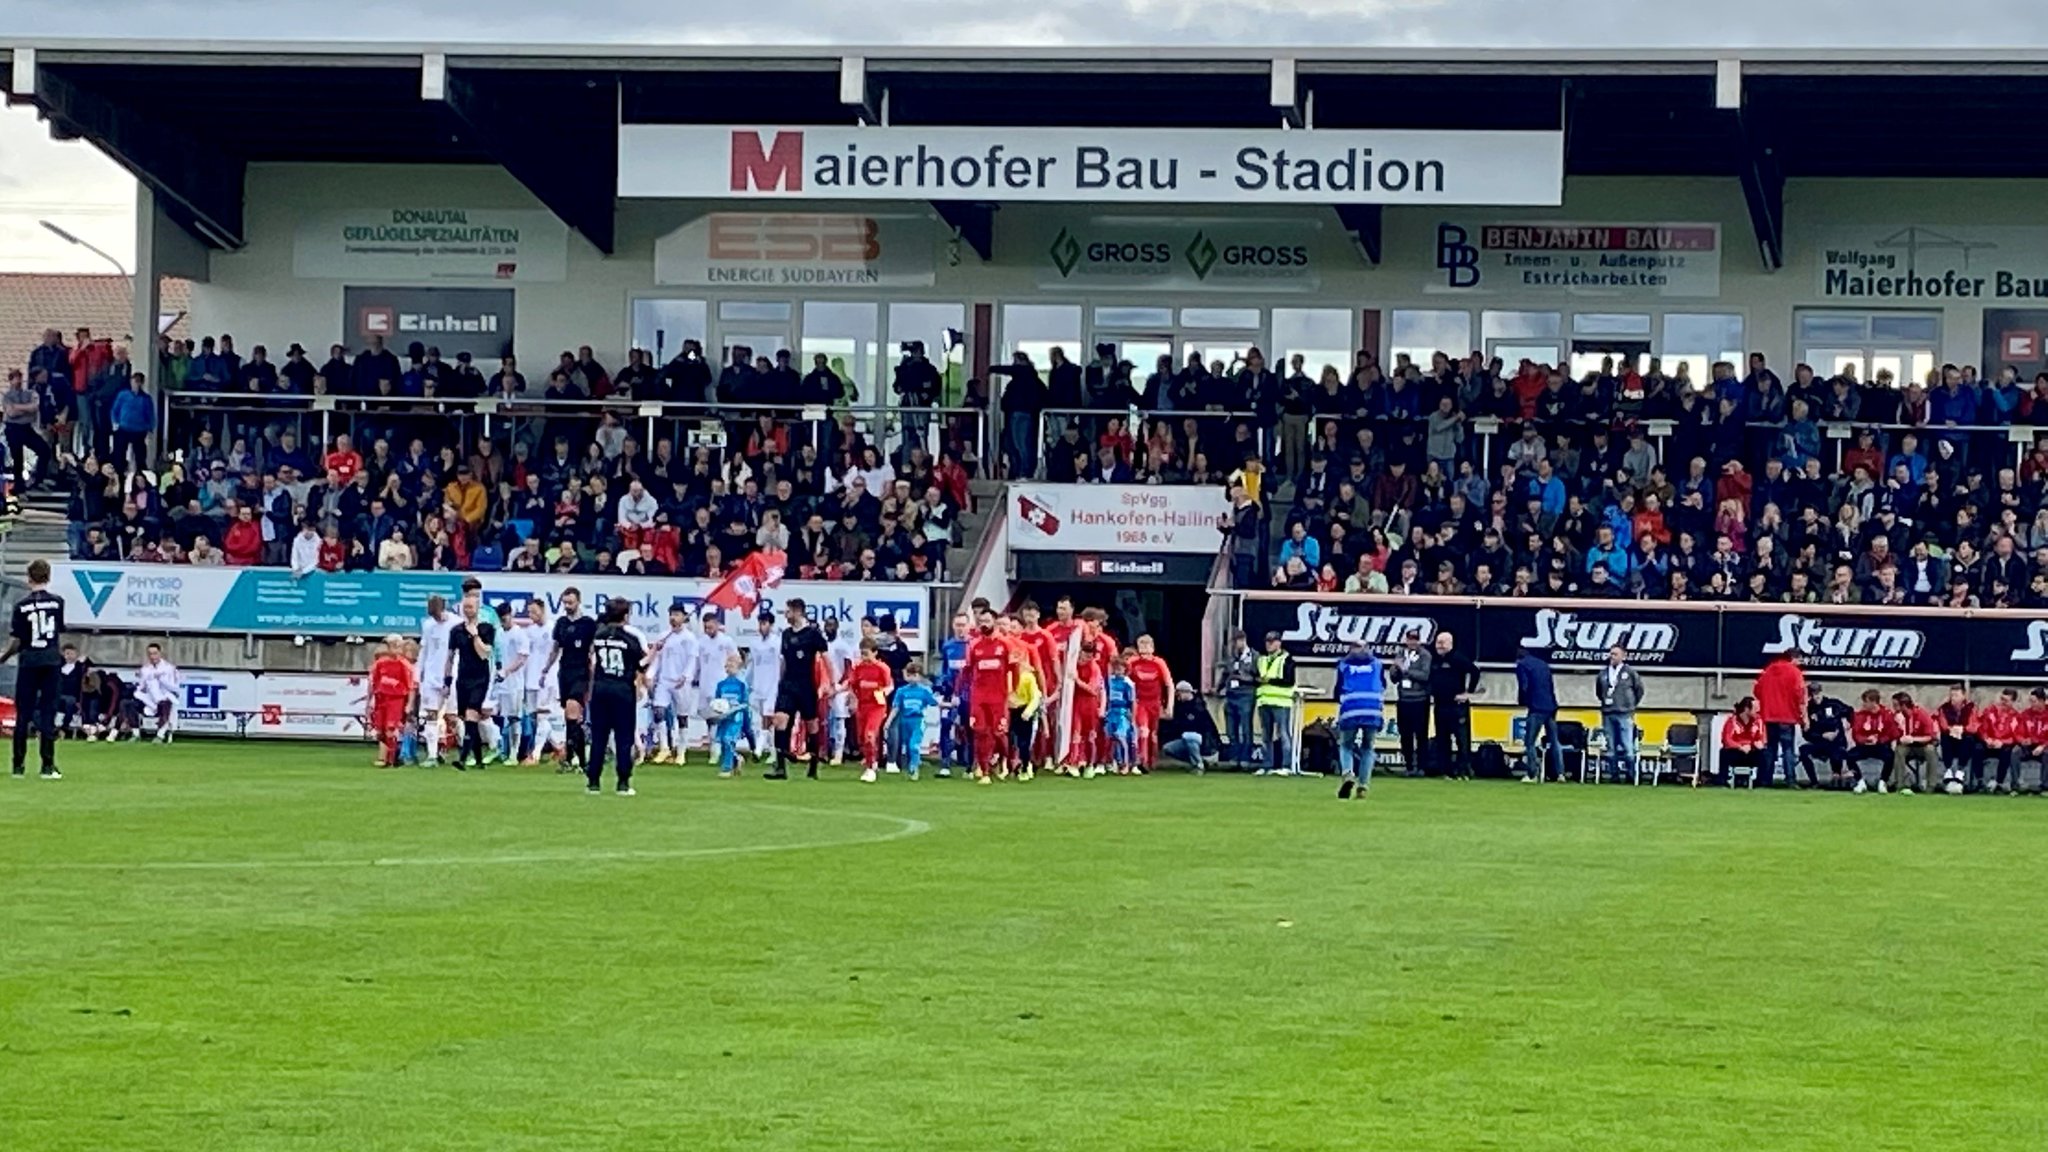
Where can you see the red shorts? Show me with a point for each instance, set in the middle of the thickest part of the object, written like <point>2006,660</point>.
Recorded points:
<point>387,713</point>
<point>993,719</point>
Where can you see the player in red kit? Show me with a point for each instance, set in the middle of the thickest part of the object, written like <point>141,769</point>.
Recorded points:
<point>1045,661</point>
<point>1154,682</point>
<point>991,672</point>
<point>870,682</point>
<point>391,687</point>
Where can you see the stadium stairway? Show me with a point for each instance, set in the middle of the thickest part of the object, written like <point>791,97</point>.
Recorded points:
<point>39,531</point>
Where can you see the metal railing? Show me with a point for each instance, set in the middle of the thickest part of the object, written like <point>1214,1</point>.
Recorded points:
<point>316,420</point>
<point>1212,432</point>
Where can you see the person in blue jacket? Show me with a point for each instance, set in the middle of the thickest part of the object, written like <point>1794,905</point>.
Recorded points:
<point>133,414</point>
<point>952,687</point>
<point>906,716</point>
<point>1118,723</point>
<point>1361,710</point>
<point>1536,692</point>
<point>733,726</point>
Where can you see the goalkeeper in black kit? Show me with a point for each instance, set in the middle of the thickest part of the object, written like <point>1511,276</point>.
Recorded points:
<point>36,635</point>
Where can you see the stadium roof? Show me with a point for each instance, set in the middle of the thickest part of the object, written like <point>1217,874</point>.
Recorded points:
<point>187,118</point>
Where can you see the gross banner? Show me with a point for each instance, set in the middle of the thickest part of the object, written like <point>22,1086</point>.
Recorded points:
<point>431,242</point>
<point>1619,261</point>
<point>1090,165</point>
<point>473,320</point>
<point>799,250</point>
<point>183,598</point>
<point>1583,636</point>
<point>906,604</point>
<point>1323,631</point>
<point>1191,255</point>
<point>1116,517</point>
<point>1922,644</point>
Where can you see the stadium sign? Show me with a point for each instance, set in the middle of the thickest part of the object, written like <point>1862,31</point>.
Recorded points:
<point>1101,165</point>
<point>1116,518</point>
<point>1324,631</point>
<point>431,242</point>
<point>473,320</point>
<point>161,598</point>
<point>1583,636</point>
<point>1932,263</point>
<point>798,250</point>
<point>1612,261</point>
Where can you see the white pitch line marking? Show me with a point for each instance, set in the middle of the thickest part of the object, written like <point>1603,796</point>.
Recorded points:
<point>904,830</point>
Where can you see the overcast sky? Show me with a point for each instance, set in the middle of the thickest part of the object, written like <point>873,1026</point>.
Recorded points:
<point>73,186</point>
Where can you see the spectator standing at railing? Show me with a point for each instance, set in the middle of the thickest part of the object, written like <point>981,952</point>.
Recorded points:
<point>22,409</point>
<point>133,416</point>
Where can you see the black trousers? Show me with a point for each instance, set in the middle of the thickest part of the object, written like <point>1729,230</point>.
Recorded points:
<point>1413,716</point>
<point>21,437</point>
<point>35,706</point>
<point>611,728</point>
<point>1453,740</point>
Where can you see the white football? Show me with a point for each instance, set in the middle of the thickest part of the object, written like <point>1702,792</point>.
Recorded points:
<point>1953,787</point>
<point>721,707</point>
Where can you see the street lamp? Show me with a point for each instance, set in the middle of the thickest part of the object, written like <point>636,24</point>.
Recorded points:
<point>68,237</point>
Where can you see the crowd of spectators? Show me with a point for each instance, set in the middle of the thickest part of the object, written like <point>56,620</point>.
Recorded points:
<point>1626,484</point>
<point>246,477</point>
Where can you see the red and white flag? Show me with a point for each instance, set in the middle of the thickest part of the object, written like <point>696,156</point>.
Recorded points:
<point>741,590</point>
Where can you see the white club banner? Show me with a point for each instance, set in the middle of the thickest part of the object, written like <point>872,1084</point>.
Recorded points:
<point>1092,166</point>
<point>431,242</point>
<point>1116,518</point>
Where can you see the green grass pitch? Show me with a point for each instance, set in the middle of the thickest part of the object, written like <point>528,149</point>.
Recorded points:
<point>265,947</point>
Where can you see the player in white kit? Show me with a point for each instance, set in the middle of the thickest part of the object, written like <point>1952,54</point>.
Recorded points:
<point>842,648</point>
<point>541,683</point>
<point>156,691</point>
<point>712,649</point>
<point>433,673</point>
<point>764,678</point>
<point>673,659</point>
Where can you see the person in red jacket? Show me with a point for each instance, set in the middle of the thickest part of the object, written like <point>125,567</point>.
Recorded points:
<point>992,675</point>
<point>1742,739</point>
<point>1781,704</point>
<point>243,546</point>
<point>869,681</point>
<point>1918,734</point>
<point>1962,754</point>
<point>2032,743</point>
<point>1873,733</point>
<point>1998,733</point>
<point>1154,682</point>
<point>392,684</point>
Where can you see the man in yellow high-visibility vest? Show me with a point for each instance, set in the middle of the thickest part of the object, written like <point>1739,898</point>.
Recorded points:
<point>1275,700</point>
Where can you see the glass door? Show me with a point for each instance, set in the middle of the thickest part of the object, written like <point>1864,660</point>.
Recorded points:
<point>1141,349</point>
<point>1511,353</point>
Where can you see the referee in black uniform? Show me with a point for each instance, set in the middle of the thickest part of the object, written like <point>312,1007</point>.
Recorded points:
<point>573,635</point>
<point>470,646</point>
<point>36,633</point>
<point>616,655</point>
<point>796,698</point>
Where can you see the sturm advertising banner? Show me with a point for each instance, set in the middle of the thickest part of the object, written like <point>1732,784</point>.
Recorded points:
<point>166,598</point>
<point>1925,644</point>
<point>798,250</point>
<point>473,320</point>
<point>431,242</point>
<point>1096,166</point>
<point>1934,263</point>
<point>1610,261</point>
<point>1116,518</point>
<point>1185,255</point>
<point>1324,631</point>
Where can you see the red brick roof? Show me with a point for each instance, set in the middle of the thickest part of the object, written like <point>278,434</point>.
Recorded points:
<point>33,301</point>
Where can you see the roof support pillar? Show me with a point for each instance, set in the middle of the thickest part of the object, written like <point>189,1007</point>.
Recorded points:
<point>1367,225</point>
<point>974,223</point>
<point>1763,189</point>
<point>530,130</point>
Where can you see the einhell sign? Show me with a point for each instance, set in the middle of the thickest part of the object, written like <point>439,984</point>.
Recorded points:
<point>799,249</point>
<point>473,320</point>
<point>1141,166</point>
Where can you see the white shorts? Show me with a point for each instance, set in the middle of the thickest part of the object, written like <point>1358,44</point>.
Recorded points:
<point>537,701</point>
<point>433,696</point>
<point>507,699</point>
<point>668,697</point>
